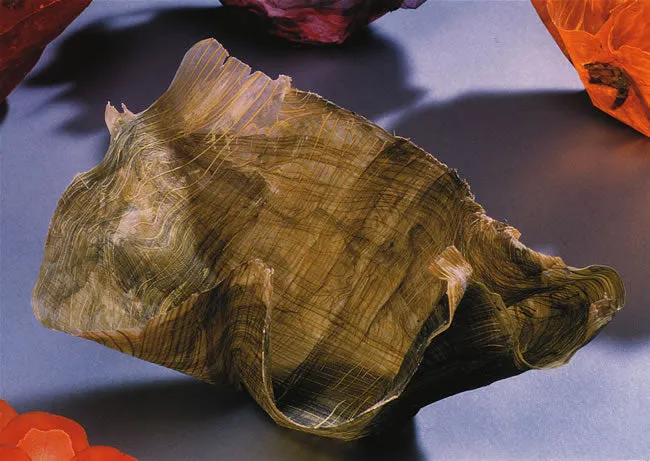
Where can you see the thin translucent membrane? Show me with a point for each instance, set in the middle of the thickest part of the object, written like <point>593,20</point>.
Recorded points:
<point>608,42</point>
<point>241,230</point>
<point>26,27</point>
<point>319,21</point>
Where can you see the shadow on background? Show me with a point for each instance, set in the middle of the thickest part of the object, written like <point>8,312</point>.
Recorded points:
<point>138,416</point>
<point>187,419</point>
<point>573,180</point>
<point>132,59</point>
<point>4,109</point>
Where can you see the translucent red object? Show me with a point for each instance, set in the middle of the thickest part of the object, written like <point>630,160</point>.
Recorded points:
<point>101,453</point>
<point>10,453</point>
<point>320,21</point>
<point>31,429</point>
<point>26,27</point>
<point>608,42</point>
<point>40,436</point>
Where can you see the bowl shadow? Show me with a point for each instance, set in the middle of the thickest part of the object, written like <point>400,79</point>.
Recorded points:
<point>573,180</point>
<point>190,420</point>
<point>132,58</point>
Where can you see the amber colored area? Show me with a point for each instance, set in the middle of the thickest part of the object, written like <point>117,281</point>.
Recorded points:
<point>608,42</point>
<point>40,436</point>
<point>26,27</point>
<point>100,453</point>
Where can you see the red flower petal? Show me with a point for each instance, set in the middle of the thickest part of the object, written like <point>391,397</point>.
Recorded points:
<point>19,427</point>
<point>6,414</point>
<point>52,445</point>
<point>9,453</point>
<point>100,453</point>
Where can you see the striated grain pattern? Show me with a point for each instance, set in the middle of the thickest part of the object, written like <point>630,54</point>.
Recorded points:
<point>241,230</point>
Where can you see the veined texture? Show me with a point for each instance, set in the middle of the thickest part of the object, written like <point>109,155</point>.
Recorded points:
<point>241,230</point>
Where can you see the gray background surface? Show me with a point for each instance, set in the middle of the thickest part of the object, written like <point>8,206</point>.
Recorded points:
<point>483,87</point>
